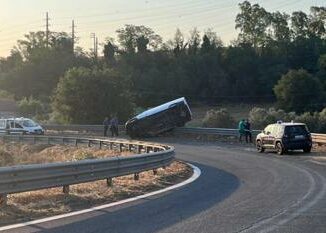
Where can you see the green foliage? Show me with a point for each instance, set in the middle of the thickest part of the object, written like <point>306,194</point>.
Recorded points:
<point>30,107</point>
<point>86,96</point>
<point>197,66</point>
<point>259,118</point>
<point>311,119</point>
<point>5,95</point>
<point>220,118</point>
<point>299,91</point>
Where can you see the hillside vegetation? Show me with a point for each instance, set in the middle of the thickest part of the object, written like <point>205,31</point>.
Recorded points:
<point>276,57</point>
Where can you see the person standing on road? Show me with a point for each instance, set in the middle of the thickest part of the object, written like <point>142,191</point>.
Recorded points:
<point>248,131</point>
<point>241,129</point>
<point>114,126</point>
<point>106,124</point>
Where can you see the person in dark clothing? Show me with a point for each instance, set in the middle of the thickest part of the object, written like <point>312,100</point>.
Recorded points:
<point>114,123</point>
<point>241,129</point>
<point>248,131</point>
<point>106,124</point>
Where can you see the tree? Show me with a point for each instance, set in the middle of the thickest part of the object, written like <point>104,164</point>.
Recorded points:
<point>253,22</point>
<point>86,96</point>
<point>109,51</point>
<point>129,35</point>
<point>281,30</point>
<point>194,41</point>
<point>317,22</point>
<point>299,24</point>
<point>299,91</point>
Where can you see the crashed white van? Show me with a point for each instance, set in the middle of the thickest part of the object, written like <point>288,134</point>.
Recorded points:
<point>20,126</point>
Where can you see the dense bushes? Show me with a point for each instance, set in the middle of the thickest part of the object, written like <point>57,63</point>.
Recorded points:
<point>86,96</point>
<point>261,117</point>
<point>31,107</point>
<point>220,118</point>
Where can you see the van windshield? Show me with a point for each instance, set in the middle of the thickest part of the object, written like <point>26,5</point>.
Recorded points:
<point>29,123</point>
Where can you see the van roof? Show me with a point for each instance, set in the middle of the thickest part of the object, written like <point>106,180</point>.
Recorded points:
<point>289,123</point>
<point>162,107</point>
<point>15,118</point>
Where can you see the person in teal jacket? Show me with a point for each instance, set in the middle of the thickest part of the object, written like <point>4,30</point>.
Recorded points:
<point>241,128</point>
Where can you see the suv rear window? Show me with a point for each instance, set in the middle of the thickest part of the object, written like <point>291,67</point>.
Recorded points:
<point>296,130</point>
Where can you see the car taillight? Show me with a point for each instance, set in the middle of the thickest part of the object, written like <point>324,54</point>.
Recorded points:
<point>285,136</point>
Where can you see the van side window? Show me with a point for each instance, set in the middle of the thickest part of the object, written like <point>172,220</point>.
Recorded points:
<point>12,124</point>
<point>2,124</point>
<point>18,125</point>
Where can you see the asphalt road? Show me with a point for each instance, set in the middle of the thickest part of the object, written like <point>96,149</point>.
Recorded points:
<point>239,191</point>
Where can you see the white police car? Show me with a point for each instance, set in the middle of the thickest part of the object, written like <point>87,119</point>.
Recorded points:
<point>20,126</point>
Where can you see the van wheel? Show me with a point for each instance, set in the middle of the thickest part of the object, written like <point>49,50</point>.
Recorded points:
<point>259,147</point>
<point>279,148</point>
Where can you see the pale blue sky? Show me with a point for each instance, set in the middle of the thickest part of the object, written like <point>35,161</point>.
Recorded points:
<point>103,17</point>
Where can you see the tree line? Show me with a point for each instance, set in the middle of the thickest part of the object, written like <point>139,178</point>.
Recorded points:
<point>276,57</point>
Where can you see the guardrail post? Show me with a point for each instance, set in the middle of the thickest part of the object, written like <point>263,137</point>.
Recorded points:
<point>140,147</point>
<point>109,182</point>
<point>120,147</point>
<point>65,189</point>
<point>130,147</point>
<point>63,141</point>
<point>89,143</point>
<point>34,140</point>
<point>148,149</point>
<point>100,144</point>
<point>111,145</point>
<point>76,142</point>
<point>136,176</point>
<point>3,200</point>
<point>155,172</point>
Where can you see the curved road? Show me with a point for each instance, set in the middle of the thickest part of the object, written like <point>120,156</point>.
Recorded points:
<point>239,191</point>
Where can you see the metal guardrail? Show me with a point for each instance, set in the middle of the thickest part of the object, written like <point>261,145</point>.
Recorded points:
<point>23,178</point>
<point>211,131</point>
<point>79,128</point>
<point>317,138</point>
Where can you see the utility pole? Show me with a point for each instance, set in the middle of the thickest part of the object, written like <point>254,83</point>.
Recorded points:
<point>73,36</point>
<point>96,42</point>
<point>93,36</point>
<point>47,29</point>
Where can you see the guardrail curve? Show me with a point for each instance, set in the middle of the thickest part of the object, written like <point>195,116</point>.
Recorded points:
<point>316,137</point>
<point>21,178</point>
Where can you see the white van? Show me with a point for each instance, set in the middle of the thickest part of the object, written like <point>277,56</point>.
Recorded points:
<point>20,126</point>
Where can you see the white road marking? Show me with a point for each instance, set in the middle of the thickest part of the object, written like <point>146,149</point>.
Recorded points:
<point>195,176</point>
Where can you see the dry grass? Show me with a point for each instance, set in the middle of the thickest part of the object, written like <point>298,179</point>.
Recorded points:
<point>18,154</point>
<point>48,202</point>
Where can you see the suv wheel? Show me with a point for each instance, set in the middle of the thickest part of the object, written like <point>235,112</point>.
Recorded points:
<point>307,150</point>
<point>279,148</point>
<point>259,146</point>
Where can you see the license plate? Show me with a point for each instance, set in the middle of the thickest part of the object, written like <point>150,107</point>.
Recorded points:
<point>299,137</point>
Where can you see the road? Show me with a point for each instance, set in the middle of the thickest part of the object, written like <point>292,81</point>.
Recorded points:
<point>239,191</point>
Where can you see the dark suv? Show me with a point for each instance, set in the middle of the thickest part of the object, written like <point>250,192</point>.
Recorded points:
<point>283,137</point>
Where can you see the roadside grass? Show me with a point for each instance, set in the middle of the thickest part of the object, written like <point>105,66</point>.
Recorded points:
<point>18,154</point>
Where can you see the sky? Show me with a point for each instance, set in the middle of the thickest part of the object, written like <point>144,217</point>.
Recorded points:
<point>104,17</point>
